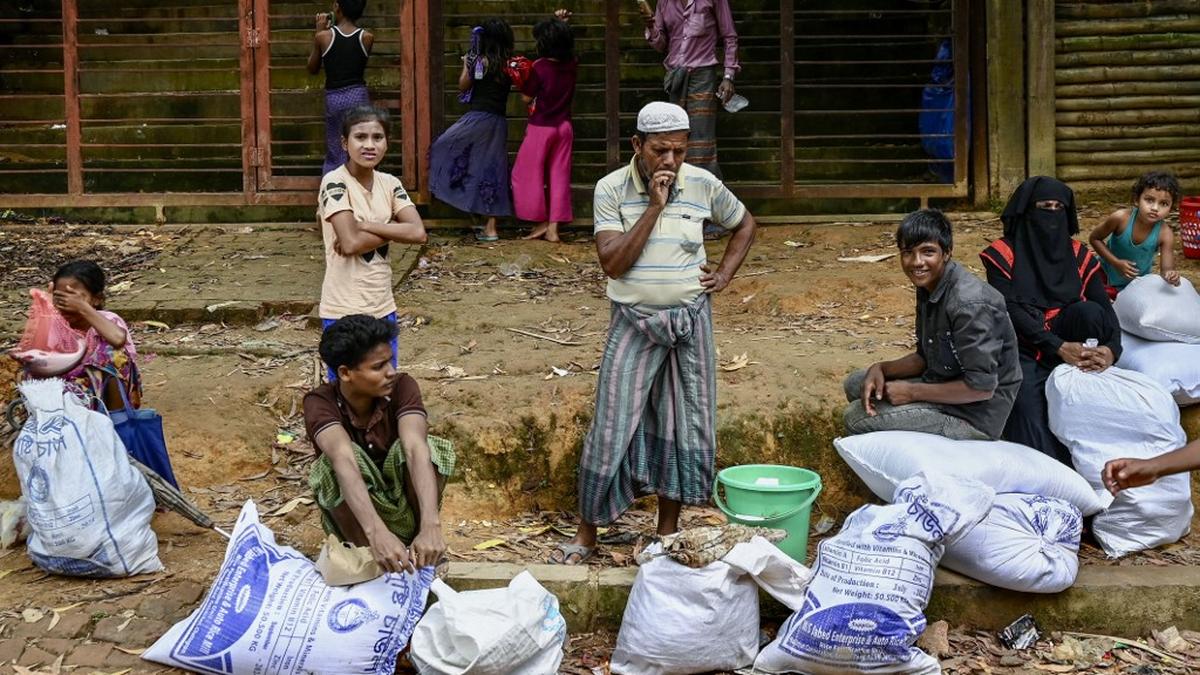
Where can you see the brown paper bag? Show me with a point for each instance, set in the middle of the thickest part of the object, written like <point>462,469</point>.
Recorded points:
<point>342,564</point>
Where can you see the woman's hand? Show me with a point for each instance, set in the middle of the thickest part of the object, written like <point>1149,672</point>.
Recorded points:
<point>1096,360</point>
<point>1072,353</point>
<point>1171,276</point>
<point>563,14</point>
<point>322,21</point>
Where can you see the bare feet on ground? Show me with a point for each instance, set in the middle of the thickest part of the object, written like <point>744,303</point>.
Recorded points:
<point>547,231</point>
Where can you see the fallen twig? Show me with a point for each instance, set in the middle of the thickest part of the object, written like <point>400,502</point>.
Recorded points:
<point>543,337</point>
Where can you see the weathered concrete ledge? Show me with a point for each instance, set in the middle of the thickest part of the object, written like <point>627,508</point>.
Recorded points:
<point>1112,600</point>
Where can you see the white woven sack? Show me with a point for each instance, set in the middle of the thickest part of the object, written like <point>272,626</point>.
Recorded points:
<point>1120,413</point>
<point>1027,543</point>
<point>1174,365</point>
<point>88,508</point>
<point>683,620</point>
<point>1151,308</point>
<point>514,630</point>
<point>884,459</point>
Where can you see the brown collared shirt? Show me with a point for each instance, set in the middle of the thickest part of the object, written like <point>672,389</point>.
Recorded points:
<point>325,405</point>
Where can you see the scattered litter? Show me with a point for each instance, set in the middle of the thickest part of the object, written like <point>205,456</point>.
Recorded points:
<point>214,307</point>
<point>824,524</point>
<point>58,127</point>
<point>797,244</point>
<point>1170,640</point>
<point>490,543</point>
<point>291,506</point>
<point>1020,634</point>
<point>267,325</point>
<point>156,324</point>
<point>738,362</point>
<point>1083,654</point>
<point>284,438</point>
<point>101,31</point>
<point>868,258</point>
<point>32,615</point>
<point>344,564</point>
<point>14,526</point>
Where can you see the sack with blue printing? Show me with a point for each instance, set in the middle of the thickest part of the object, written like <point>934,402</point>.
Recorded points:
<point>269,612</point>
<point>89,509</point>
<point>1027,543</point>
<point>865,606</point>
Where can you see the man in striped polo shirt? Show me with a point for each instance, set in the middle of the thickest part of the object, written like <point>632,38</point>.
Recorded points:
<point>654,431</point>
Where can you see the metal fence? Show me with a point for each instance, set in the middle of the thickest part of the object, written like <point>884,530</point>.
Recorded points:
<point>172,102</point>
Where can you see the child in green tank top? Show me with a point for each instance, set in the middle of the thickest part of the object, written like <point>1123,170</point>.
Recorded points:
<point>1129,238</point>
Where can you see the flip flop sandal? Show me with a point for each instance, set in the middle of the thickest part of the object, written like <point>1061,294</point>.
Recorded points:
<point>480,236</point>
<point>585,553</point>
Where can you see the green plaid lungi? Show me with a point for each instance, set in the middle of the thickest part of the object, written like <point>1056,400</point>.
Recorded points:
<point>385,485</point>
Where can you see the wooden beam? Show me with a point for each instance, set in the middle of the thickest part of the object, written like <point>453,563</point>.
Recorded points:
<point>259,39</point>
<point>430,79</point>
<point>977,44</point>
<point>787,96</point>
<point>70,28</point>
<point>246,26</point>
<point>1006,96</point>
<point>408,98</point>
<point>961,54</point>
<point>612,82</point>
<point>1039,74</point>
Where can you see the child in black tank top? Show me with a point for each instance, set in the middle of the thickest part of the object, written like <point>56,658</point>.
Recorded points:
<point>342,47</point>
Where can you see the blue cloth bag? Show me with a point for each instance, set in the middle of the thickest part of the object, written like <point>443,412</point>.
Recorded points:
<point>141,430</point>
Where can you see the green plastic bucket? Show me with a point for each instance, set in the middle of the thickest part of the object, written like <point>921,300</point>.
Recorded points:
<point>770,495</point>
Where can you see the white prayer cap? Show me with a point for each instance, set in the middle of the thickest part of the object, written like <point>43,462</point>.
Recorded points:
<point>660,117</point>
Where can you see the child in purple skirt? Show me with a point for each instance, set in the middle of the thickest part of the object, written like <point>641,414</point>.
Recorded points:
<point>468,163</point>
<point>342,48</point>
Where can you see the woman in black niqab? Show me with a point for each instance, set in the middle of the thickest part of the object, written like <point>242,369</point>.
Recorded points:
<point>1044,273</point>
<point>1056,300</point>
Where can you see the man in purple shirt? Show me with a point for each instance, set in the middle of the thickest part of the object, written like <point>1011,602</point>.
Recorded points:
<point>688,31</point>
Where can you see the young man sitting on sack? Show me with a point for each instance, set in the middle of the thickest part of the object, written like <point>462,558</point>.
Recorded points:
<point>962,379</point>
<point>379,478</point>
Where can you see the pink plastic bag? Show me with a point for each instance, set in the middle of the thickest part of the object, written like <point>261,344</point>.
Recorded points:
<point>49,346</point>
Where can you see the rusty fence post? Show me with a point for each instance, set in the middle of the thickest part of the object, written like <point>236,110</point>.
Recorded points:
<point>70,27</point>
<point>787,97</point>
<point>612,83</point>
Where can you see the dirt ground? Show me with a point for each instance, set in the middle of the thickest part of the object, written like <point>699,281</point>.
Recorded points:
<point>501,337</point>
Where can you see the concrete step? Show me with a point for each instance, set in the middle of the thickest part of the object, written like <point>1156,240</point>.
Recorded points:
<point>1107,600</point>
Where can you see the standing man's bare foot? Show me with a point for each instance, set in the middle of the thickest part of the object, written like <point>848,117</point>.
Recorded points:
<point>547,231</point>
